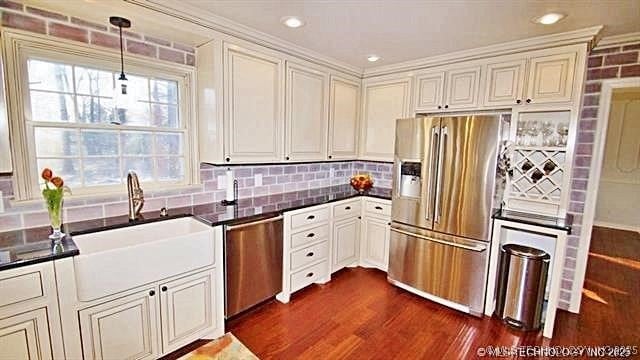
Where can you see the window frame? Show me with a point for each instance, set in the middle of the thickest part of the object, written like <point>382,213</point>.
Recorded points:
<point>18,47</point>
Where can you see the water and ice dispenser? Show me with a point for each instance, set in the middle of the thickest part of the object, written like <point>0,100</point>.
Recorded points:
<point>410,183</point>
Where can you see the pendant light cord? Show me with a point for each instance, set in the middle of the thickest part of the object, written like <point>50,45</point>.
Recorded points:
<point>122,76</point>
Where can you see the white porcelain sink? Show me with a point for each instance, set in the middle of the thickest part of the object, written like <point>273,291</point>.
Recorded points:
<point>116,260</point>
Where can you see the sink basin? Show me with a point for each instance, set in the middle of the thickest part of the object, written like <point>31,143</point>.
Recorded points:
<point>120,259</point>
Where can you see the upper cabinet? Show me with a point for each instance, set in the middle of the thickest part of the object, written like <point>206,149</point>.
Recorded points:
<point>306,113</point>
<point>505,83</point>
<point>343,118</point>
<point>429,91</point>
<point>253,101</point>
<point>384,102</point>
<point>446,90</point>
<point>551,78</point>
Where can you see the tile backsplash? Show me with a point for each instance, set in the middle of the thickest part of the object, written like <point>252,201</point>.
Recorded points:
<point>275,179</point>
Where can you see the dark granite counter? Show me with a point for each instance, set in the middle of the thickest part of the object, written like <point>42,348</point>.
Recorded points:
<point>563,224</point>
<point>39,249</point>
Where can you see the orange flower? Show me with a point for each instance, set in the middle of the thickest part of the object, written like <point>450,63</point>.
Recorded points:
<point>47,174</point>
<point>57,181</point>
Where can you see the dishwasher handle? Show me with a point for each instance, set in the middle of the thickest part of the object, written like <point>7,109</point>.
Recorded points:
<point>263,221</point>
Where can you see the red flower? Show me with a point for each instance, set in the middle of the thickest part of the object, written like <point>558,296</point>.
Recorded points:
<point>47,174</point>
<point>57,181</point>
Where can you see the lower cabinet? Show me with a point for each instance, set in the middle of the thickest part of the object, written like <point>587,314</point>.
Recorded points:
<point>374,245</point>
<point>346,235</point>
<point>25,336</point>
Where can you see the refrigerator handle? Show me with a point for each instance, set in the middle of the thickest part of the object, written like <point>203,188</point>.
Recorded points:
<point>443,141</point>
<point>433,147</point>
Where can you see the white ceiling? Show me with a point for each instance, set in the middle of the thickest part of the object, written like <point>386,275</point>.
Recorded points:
<point>400,30</point>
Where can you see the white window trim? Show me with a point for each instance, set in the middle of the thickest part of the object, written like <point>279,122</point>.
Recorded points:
<point>18,46</point>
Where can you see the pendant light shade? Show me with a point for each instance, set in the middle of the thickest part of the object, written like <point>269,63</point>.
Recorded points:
<point>122,94</point>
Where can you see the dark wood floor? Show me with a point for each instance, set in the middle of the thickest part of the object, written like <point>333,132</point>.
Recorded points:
<point>358,315</point>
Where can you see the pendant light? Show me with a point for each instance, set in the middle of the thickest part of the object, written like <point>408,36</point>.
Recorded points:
<point>122,93</point>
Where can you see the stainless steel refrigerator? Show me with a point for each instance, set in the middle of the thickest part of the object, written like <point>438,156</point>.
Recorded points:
<point>443,196</point>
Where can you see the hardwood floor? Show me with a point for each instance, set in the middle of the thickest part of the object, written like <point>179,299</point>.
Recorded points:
<point>358,315</point>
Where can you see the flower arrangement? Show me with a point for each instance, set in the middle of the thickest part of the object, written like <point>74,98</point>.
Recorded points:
<point>53,194</point>
<point>361,182</point>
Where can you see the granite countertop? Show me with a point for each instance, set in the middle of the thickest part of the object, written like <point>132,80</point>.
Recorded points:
<point>550,222</point>
<point>39,249</point>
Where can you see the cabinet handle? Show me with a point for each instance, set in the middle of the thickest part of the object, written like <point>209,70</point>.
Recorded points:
<point>518,101</point>
<point>310,235</point>
<point>310,254</point>
<point>378,207</point>
<point>439,106</point>
<point>310,274</point>
<point>152,292</point>
<point>359,217</point>
<point>347,207</point>
<point>164,288</point>
<point>446,106</point>
<point>227,159</point>
<point>528,101</point>
<point>311,217</point>
<point>287,158</point>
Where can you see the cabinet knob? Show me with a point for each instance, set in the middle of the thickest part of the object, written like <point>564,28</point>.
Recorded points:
<point>389,223</point>
<point>528,101</point>
<point>359,217</point>
<point>518,101</point>
<point>164,288</point>
<point>446,106</point>
<point>330,156</point>
<point>152,292</point>
<point>310,254</point>
<point>310,274</point>
<point>439,106</point>
<point>286,158</point>
<point>227,159</point>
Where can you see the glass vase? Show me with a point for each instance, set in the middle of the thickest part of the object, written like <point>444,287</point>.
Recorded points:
<point>54,207</point>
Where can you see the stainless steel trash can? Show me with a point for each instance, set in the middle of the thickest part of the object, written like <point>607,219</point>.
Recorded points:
<point>522,279</point>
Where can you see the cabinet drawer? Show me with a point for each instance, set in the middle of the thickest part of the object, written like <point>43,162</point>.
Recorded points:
<point>309,255</point>
<point>22,287</point>
<point>308,236</point>
<point>309,275</point>
<point>310,217</point>
<point>375,207</point>
<point>351,208</point>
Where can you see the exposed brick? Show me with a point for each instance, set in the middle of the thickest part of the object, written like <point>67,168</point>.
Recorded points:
<point>577,207</point>
<point>579,185</point>
<point>102,39</point>
<point>157,41</point>
<point>171,55</point>
<point>585,137</point>
<point>88,24</point>
<point>602,73</point>
<point>11,5</point>
<point>608,50</point>
<point>582,161</point>
<point>591,100</point>
<point>578,196</point>
<point>631,47</point>
<point>140,48</point>
<point>125,33</point>
<point>69,32</point>
<point>183,47</point>
<point>630,70</point>
<point>580,173</point>
<point>621,59</point>
<point>24,22</point>
<point>584,149</point>
<point>594,61</point>
<point>589,113</point>
<point>46,13</point>
<point>587,124</point>
<point>593,87</point>
<point>191,60</point>
<point>574,242</point>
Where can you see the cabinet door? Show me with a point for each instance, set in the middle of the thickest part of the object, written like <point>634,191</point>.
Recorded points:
<point>306,114</point>
<point>25,336</point>
<point>375,243</point>
<point>124,328</point>
<point>346,236</point>
<point>462,88</point>
<point>384,103</point>
<point>253,106</point>
<point>187,309</point>
<point>429,90</point>
<point>551,78</point>
<point>344,118</point>
<point>505,83</point>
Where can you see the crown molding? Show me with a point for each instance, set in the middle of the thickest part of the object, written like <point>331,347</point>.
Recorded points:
<point>587,35</point>
<point>228,27</point>
<point>618,40</point>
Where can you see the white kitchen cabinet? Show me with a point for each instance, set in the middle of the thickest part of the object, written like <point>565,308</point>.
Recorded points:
<point>384,103</point>
<point>429,91</point>
<point>505,83</point>
<point>344,115</point>
<point>462,88</point>
<point>306,113</point>
<point>376,234</point>
<point>550,77</point>
<point>186,308</point>
<point>25,336</point>
<point>123,328</point>
<point>346,235</point>
<point>253,105</point>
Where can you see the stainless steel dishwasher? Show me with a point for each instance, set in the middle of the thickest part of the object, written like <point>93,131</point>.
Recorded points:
<point>253,263</point>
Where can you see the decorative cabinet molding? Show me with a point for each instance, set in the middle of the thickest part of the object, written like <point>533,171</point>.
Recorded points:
<point>505,83</point>
<point>375,234</point>
<point>25,336</point>
<point>306,113</point>
<point>551,78</point>
<point>344,118</point>
<point>384,102</point>
<point>446,90</point>
<point>429,91</point>
<point>462,88</point>
<point>346,216</point>
<point>253,99</point>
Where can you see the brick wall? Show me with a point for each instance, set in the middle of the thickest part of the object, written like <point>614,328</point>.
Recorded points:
<point>603,63</point>
<point>24,17</point>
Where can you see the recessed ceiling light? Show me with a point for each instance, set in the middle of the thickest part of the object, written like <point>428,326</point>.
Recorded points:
<point>550,18</point>
<point>292,21</point>
<point>373,58</point>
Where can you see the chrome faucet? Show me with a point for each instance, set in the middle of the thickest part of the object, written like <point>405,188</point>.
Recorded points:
<point>136,195</point>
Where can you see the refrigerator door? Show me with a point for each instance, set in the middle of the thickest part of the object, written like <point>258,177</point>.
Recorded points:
<point>414,169</point>
<point>466,175</point>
